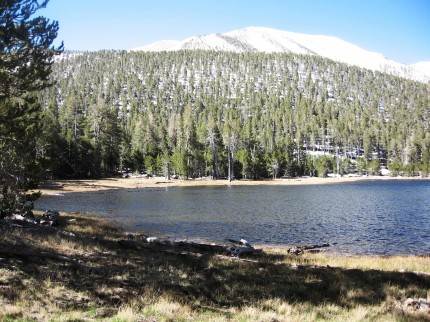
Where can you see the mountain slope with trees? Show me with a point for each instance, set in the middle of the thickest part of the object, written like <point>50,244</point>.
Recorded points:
<point>224,114</point>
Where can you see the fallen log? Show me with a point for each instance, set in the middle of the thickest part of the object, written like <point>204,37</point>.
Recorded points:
<point>235,248</point>
<point>34,225</point>
<point>297,250</point>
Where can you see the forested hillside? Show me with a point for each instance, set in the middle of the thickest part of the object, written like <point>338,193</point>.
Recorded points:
<point>194,113</point>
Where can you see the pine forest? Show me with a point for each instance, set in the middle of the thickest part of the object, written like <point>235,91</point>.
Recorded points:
<point>193,114</point>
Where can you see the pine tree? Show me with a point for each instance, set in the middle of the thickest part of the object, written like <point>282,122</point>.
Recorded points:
<point>26,58</point>
<point>26,54</point>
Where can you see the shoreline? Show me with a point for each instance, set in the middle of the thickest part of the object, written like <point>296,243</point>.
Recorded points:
<point>93,264</point>
<point>56,187</point>
<point>63,187</point>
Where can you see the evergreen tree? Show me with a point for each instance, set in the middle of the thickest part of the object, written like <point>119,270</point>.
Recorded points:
<point>26,58</point>
<point>26,54</point>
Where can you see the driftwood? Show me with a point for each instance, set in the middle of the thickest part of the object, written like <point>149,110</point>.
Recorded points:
<point>297,250</point>
<point>233,248</point>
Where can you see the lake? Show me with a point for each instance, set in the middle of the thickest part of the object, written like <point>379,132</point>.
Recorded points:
<point>367,217</point>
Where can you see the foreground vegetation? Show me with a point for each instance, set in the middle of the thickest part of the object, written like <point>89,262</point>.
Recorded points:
<point>101,273</point>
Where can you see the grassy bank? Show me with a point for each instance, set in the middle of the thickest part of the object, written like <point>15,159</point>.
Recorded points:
<point>99,273</point>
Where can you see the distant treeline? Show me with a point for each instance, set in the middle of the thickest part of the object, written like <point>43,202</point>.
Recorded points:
<point>247,115</point>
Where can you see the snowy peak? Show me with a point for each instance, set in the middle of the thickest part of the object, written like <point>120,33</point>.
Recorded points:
<point>262,39</point>
<point>272,40</point>
<point>161,45</point>
<point>423,66</point>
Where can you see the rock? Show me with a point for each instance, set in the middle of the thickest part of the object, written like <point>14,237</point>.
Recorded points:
<point>151,239</point>
<point>424,304</point>
<point>245,243</point>
<point>67,233</point>
<point>416,305</point>
<point>238,247</point>
<point>239,250</point>
<point>295,250</point>
<point>52,223</point>
<point>18,217</point>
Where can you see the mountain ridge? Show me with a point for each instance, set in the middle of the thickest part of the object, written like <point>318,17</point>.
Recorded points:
<point>264,39</point>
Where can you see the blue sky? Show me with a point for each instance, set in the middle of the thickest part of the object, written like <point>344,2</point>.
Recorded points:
<point>399,29</point>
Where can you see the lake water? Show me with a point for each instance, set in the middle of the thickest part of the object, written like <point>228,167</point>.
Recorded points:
<point>368,217</point>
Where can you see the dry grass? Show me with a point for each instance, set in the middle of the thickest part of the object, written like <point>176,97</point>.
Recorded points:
<point>405,263</point>
<point>50,276</point>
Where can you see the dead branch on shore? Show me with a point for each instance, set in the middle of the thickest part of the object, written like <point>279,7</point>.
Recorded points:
<point>233,248</point>
<point>297,250</point>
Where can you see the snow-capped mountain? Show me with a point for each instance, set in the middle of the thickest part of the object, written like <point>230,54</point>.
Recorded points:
<point>423,66</point>
<point>261,39</point>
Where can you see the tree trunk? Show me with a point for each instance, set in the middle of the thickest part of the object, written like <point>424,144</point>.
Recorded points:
<point>215,164</point>
<point>168,170</point>
<point>229,163</point>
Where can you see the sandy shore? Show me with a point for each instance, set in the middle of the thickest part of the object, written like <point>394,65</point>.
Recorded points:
<point>66,186</point>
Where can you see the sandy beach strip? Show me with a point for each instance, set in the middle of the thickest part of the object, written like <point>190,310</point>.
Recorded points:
<point>53,187</point>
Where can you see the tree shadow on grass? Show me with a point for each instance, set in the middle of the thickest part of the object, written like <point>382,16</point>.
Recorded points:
<point>115,271</point>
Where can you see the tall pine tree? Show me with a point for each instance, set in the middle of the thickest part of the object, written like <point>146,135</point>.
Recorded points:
<point>26,57</point>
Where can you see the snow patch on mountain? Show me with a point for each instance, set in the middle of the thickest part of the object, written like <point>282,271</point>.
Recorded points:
<point>423,67</point>
<point>262,39</point>
<point>161,45</point>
